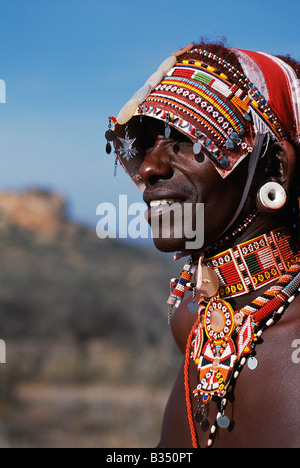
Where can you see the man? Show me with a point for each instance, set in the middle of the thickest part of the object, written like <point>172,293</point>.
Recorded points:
<point>220,127</point>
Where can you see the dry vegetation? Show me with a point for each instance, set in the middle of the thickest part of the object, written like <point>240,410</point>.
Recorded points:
<point>90,359</point>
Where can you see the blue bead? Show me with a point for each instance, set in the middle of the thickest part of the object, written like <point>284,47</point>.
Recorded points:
<point>167,131</point>
<point>247,116</point>
<point>193,307</point>
<point>197,147</point>
<point>224,163</point>
<point>229,144</point>
<point>234,137</point>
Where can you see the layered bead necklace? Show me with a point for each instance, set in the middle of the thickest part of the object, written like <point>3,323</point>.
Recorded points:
<point>223,340</point>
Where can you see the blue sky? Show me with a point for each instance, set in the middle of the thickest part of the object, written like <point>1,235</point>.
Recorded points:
<point>68,64</point>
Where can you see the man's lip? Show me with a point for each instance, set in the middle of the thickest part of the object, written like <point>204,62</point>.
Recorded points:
<point>160,210</point>
<point>156,196</point>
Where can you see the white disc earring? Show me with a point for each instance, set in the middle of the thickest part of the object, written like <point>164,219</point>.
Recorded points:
<point>272,196</point>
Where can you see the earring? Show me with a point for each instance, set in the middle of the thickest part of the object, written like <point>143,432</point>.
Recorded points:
<point>271,197</point>
<point>109,135</point>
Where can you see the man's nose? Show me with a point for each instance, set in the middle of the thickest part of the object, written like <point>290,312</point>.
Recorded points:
<point>157,163</point>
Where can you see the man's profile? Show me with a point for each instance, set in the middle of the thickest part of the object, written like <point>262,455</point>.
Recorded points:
<point>220,128</point>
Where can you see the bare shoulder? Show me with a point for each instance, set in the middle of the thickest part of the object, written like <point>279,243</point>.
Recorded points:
<point>288,328</point>
<point>293,324</point>
<point>182,324</point>
<point>292,314</point>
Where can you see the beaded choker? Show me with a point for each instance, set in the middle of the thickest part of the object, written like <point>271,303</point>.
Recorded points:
<point>238,271</point>
<point>222,340</point>
<point>253,264</point>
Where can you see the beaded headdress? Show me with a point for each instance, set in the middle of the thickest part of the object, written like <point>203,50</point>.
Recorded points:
<point>220,113</point>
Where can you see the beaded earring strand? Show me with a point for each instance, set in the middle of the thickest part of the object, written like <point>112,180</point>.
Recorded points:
<point>110,135</point>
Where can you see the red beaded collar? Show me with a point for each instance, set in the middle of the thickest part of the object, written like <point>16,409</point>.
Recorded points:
<point>253,264</point>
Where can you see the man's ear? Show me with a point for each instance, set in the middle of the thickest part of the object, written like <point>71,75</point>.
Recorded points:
<point>277,181</point>
<point>282,167</point>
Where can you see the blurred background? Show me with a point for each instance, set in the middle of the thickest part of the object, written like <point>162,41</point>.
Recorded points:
<point>90,358</point>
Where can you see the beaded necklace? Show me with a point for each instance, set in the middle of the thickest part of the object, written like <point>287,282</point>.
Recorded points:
<point>223,340</point>
<point>253,264</point>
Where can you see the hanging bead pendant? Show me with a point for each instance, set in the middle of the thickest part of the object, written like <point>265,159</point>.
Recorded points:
<point>110,136</point>
<point>223,422</point>
<point>197,147</point>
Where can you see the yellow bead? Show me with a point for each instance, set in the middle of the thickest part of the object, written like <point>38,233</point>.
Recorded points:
<point>224,77</point>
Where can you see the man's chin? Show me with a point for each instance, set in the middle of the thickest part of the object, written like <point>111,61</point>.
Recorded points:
<point>169,245</point>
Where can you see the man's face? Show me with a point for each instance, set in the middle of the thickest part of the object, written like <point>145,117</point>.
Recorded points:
<point>172,174</point>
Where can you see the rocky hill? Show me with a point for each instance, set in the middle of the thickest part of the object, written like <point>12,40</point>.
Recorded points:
<point>75,310</point>
<point>38,211</point>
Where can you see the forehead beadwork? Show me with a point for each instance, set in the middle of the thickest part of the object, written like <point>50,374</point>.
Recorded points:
<point>220,108</point>
<point>257,102</point>
<point>193,89</point>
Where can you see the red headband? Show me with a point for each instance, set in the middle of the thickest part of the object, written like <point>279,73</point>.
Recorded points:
<point>280,86</point>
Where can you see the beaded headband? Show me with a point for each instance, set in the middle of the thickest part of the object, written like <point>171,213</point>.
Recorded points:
<point>209,107</point>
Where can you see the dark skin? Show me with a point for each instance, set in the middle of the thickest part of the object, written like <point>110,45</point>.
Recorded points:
<point>265,405</point>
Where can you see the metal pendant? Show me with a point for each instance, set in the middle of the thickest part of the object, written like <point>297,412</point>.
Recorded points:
<point>127,151</point>
<point>167,131</point>
<point>108,148</point>
<point>223,422</point>
<point>197,147</point>
<point>193,307</point>
<point>252,363</point>
<point>205,425</point>
<point>110,135</point>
